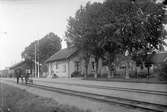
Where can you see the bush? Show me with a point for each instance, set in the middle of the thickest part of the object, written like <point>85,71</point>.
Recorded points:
<point>133,75</point>
<point>91,75</point>
<point>104,75</point>
<point>54,76</point>
<point>142,75</point>
<point>162,75</point>
<point>76,74</point>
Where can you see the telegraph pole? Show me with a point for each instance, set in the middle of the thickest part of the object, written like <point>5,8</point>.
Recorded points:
<point>1,86</point>
<point>38,59</point>
<point>35,61</point>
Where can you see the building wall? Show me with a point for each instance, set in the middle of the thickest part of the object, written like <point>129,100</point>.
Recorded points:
<point>66,67</point>
<point>49,65</point>
<point>72,64</point>
<point>71,67</point>
<point>62,68</point>
<point>58,68</point>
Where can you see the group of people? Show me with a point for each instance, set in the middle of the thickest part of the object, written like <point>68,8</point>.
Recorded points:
<point>23,75</point>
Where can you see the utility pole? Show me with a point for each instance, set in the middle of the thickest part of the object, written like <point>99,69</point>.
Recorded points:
<point>35,61</point>
<point>38,59</point>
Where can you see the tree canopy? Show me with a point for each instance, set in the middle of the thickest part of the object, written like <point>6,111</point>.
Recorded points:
<point>140,24</point>
<point>118,26</point>
<point>45,48</point>
<point>85,28</point>
<point>136,24</point>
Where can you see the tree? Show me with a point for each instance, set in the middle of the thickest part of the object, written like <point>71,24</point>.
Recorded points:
<point>84,28</point>
<point>117,27</point>
<point>110,43</point>
<point>45,48</point>
<point>139,25</point>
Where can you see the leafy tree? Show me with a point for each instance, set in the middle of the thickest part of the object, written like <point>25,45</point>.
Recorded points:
<point>139,25</point>
<point>45,48</point>
<point>118,26</point>
<point>86,57</point>
<point>84,28</point>
<point>110,43</point>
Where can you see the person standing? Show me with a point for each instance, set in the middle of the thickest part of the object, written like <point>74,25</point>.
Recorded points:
<point>27,76</point>
<point>22,76</point>
<point>17,74</point>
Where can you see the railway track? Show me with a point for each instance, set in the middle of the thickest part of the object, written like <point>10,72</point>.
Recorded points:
<point>144,106</point>
<point>113,88</point>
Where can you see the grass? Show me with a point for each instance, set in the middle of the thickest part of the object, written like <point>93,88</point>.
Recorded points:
<point>18,100</point>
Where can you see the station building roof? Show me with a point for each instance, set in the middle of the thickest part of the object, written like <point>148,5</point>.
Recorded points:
<point>62,54</point>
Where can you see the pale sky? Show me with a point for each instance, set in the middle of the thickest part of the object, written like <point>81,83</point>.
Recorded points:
<point>29,20</point>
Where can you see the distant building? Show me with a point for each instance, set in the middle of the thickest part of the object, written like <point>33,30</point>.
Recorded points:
<point>18,65</point>
<point>24,67</point>
<point>5,72</point>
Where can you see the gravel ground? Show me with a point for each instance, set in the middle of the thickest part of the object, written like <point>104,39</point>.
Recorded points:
<point>81,103</point>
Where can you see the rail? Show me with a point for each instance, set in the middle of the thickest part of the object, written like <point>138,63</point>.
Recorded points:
<point>145,106</point>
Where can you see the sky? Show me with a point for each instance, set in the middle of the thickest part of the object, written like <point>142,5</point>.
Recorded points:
<point>24,21</point>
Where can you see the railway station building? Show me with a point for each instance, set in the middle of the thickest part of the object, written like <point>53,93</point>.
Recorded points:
<point>69,63</point>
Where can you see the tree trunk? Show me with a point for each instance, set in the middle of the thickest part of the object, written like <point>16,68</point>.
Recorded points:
<point>86,67</point>
<point>100,66</point>
<point>86,58</point>
<point>148,68</point>
<point>112,72</point>
<point>86,72</point>
<point>96,70</point>
<point>127,71</point>
<point>110,66</point>
<point>136,73</point>
<point>109,74</point>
